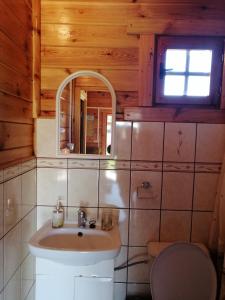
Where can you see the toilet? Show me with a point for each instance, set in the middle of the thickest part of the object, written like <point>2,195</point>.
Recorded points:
<point>181,271</point>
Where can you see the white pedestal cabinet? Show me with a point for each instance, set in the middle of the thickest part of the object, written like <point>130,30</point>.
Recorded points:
<point>56,281</point>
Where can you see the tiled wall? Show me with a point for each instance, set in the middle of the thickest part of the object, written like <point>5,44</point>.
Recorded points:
<point>181,161</point>
<point>18,223</point>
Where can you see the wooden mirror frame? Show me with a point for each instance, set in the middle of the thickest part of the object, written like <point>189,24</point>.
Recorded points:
<point>58,95</point>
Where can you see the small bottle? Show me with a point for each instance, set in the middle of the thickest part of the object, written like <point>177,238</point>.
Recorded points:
<point>58,216</point>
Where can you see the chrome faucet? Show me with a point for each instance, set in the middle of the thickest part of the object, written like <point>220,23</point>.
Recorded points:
<point>82,219</point>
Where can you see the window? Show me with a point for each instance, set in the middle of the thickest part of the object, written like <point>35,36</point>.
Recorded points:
<point>188,70</point>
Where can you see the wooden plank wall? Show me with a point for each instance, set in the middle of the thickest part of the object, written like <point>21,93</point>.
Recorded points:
<point>16,123</point>
<point>103,36</point>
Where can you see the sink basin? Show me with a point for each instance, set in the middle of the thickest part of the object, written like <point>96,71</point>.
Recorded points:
<point>71,245</point>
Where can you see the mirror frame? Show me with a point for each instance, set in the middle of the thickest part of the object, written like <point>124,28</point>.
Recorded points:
<point>58,95</point>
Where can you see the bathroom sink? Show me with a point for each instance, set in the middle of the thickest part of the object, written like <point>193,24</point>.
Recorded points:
<point>72,245</point>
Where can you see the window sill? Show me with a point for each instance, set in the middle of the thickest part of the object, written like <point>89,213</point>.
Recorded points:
<point>172,114</point>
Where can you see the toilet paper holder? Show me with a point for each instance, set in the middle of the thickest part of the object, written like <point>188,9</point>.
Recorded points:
<point>144,191</point>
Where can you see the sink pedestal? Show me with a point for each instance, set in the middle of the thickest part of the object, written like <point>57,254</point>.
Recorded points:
<point>55,281</point>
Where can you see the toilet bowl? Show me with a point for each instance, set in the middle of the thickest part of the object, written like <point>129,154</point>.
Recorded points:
<point>183,271</point>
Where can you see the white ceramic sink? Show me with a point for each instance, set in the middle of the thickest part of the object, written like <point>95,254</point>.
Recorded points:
<point>72,245</point>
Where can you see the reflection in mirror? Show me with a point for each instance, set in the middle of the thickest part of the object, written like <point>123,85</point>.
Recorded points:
<point>85,121</point>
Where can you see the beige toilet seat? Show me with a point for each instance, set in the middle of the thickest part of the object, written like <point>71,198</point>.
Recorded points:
<point>183,271</point>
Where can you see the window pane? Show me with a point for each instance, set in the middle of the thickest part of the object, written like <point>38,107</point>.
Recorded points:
<point>200,61</point>
<point>198,86</point>
<point>176,60</point>
<point>174,85</point>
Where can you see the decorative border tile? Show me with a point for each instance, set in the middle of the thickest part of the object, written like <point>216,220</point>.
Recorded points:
<point>11,172</point>
<point>52,163</point>
<point>208,168</point>
<point>114,165</point>
<point>83,164</point>
<point>178,167</point>
<point>28,165</point>
<point>145,165</point>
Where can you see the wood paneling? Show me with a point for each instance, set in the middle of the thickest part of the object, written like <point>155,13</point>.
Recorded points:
<point>76,35</point>
<point>36,40</point>
<point>146,66</point>
<point>16,123</point>
<point>70,57</point>
<point>14,136</point>
<point>122,80</point>
<point>15,154</point>
<point>12,27</point>
<point>155,114</point>
<point>176,26</point>
<point>14,109</point>
<point>107,37</point>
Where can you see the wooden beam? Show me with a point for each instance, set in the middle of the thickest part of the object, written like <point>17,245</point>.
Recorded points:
<point>175,26</point>
<point>222,103</point>
<point>36,84</point>
<point>146,68</point>
<point>156,114</point>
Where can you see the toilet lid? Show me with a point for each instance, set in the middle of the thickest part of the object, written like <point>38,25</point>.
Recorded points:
<point>183,271</point>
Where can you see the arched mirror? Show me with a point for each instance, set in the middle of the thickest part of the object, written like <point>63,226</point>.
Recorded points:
<point>85,115</point>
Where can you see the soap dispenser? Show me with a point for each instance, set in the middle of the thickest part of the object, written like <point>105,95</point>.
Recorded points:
<point>58,215</point>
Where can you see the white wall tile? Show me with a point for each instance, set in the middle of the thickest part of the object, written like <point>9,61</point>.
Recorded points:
<point>120,291</point>
<point>139,273</point>
<point>29,192</point>
<point>179,144</point>
<point>121,259</point>
<point>201,227</point>
<point>27,276</point>
<point>45,144</point>
<point>51,185</point>
<point>12,252</point>
<point>210,142</point>
<point>28,228</point>
<point>144,227</point>
<point>13,289</point>
<point>1,210</point>
<point>177,190</point>
<point>205,191</point>
<point>123,140</point>
<point>83,187</point>
<point>175,226</point>
<point>147,141</point>
<point>31,294</point>
<point>1,264</point>
<point>114,188</point>
<point>137,289</point>
<point>12,202</point>
<point>44,213</point>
